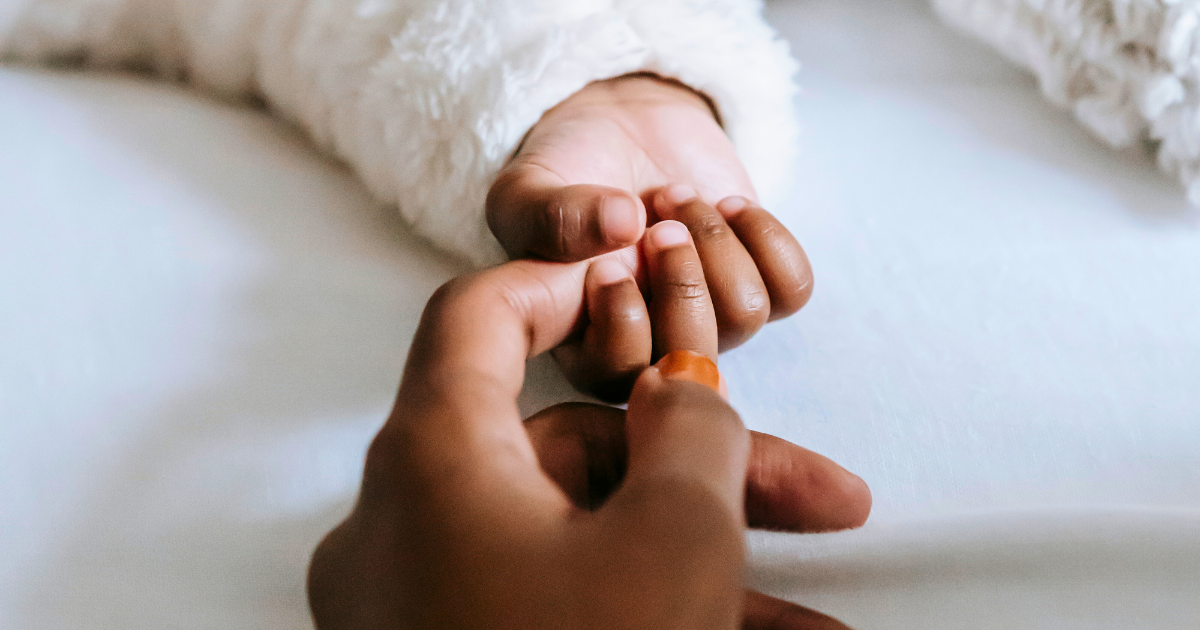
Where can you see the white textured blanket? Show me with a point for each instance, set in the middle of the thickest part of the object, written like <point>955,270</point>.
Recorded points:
<point>1128,69</point>
<point>203,321</point>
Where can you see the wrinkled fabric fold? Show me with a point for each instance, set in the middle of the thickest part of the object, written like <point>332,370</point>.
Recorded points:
<point>1128,69</point>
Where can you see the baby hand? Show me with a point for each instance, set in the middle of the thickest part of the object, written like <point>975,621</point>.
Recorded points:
<point>626,153</point>
<point>623,332</point>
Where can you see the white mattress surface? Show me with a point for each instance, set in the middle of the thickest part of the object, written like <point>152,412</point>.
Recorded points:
<point>202,323</point>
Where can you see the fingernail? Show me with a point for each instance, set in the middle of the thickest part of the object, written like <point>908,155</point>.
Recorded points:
<point>619,220</point>
<point>678,193</point>
<point>666,234</point>
<point>608,271</point>
<point>732,205</point>
<point>685,365</point>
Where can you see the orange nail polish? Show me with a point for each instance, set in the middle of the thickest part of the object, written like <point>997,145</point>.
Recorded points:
<point>691,366</point>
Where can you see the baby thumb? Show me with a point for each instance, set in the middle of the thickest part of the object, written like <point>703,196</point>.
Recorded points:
<point>532,213</point>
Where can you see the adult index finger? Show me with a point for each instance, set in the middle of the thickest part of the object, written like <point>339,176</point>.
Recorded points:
<point>456,431</point>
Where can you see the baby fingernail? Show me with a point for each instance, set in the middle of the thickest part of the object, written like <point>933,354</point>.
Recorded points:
<point>686,365</point>
<point>667,234</point>
<point>619,220</point>
<point>608,271</point>
<point>678,193</point>
<point>732,205</point>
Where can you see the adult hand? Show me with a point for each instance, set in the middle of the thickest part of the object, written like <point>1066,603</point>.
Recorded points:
<point>584,517</point>
<point>624,153</point>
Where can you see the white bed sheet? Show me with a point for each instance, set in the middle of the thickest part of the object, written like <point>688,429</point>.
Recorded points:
<point>202,323</point>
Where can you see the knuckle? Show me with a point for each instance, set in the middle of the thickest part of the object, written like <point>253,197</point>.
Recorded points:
<point>743,315</point>
<point>481,289</point>
<point>685,288</point>
<point>760,225</point>
<point>512,287</point>
<point>448,294</point>
<point>554,223</point>
<point>770,230</point>
<point>483,294</point>
<point>388,456</point>
<point>734,334</point>
<point>750,310</point>
<point>629,317</point>
<point>562,233</point>
<point>709,227</point>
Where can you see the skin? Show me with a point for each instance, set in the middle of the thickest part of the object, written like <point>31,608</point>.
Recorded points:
<point>583,516</point>
<point>744,267</point>
<point>623,154</point>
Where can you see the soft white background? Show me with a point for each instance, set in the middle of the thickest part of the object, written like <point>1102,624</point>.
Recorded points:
<point>202,322</point>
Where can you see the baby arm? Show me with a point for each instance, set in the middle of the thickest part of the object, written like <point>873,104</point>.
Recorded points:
<point>428,99</point>
<point>630,151</point>
<point>573,114</point>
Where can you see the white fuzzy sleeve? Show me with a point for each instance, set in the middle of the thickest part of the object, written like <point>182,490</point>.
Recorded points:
<point>1129,69</point>
<point>426,99</point>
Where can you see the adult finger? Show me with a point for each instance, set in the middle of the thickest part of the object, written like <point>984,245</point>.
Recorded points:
<point>788,488</point>
<point>456,427</point>
<point>791,488</point>
<point>533,213</point>
<point>685,444</point>
<point>739,296</point>
<point>781,261</point>
<point>616,343</point>
<point>763,612</point>
<point>681,310</point>
<point>581,446</point>
<point>674,528</point>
